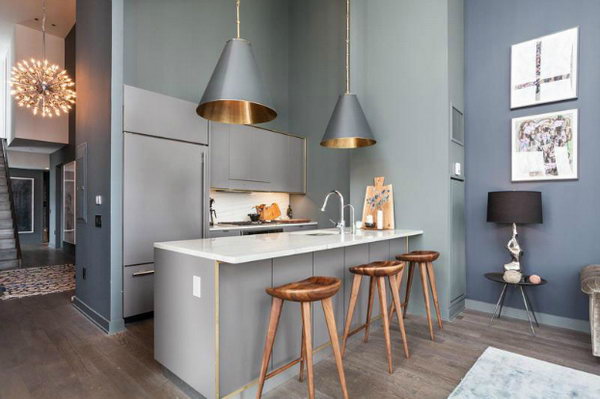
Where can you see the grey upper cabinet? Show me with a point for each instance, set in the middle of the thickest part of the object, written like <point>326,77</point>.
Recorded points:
<point>255,159</point>
<point>159,115</point>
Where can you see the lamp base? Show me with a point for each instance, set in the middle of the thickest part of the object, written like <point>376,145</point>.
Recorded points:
<point>515,251</point>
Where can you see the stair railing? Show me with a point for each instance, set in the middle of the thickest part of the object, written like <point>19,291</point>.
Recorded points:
<point>11,200</point>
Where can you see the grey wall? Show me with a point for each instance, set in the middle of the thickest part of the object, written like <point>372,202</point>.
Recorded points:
<point>38,201</point>
<point>316,80</point>
<point>568,239</point>
<point>94,44</point>
<point>172,47</point>
<point>65,154</point>
<point>401,77</point>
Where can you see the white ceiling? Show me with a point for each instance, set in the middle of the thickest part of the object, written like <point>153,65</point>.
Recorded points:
<point>59,12</point>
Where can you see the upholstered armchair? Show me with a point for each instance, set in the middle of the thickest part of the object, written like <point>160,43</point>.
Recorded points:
<point>590,284</point>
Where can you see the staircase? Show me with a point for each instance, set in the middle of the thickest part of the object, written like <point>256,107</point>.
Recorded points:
<point>10,250</point>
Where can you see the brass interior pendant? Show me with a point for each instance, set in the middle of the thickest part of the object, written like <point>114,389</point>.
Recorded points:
<point>235,93</point>
<point>348,126</point>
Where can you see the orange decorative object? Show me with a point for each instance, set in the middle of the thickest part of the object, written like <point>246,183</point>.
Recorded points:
<point>268,212</point>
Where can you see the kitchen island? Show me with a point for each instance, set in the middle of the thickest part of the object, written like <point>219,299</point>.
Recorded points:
<point>211,309</point>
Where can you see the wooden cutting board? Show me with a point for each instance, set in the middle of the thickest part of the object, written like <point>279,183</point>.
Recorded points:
<point>381,197</point>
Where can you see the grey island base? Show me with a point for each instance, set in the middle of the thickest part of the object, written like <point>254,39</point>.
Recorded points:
<point>211,310</point>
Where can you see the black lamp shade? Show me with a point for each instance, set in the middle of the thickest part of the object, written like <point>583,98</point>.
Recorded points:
<point>523,207</point>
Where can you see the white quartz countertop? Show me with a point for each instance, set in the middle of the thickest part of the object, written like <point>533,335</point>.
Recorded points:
<point>227,226</point>
<point>241,249</point>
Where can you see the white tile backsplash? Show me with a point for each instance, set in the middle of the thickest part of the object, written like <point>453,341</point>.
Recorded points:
<point>233,207</point>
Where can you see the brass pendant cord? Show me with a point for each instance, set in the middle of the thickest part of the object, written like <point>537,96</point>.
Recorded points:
<point>43,29</point>
<point>237,19</point>
<point>347,46</point>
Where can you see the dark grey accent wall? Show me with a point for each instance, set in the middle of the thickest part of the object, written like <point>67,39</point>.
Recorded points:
<point>65,154</point>
<point>173,47</point>
<point>38,203</point>
<point>316,80</point>
<point>568,239</point>
<point>93,126</point>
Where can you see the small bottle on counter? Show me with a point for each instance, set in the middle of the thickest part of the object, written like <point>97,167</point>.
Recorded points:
<point>379,219</point>
<point>289,212</point>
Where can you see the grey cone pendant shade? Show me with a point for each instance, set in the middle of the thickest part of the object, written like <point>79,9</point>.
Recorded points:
<point>348,126</point>
<point>235,93</point>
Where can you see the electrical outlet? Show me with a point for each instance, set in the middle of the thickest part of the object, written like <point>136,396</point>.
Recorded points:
<point>98,220</point>
<point>197,286</point>
<point>84,273</point>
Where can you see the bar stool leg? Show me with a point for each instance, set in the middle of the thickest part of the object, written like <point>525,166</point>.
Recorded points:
<point>302,357</point>
<point>370,307</point>
<point>276,306</point>
<point>335,344</point>
<point>394,283</point>
<point>308,348</point>
<point>351,306</point>
<point>411,272</point>
<point>422,269</point>
<point>386,320</point>
<point>431,273</point>
<point>397,287</point>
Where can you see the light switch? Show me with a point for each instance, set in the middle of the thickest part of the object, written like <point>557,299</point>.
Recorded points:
<point>457,168</point>
<point>98,200</point>
<point>197,287</point>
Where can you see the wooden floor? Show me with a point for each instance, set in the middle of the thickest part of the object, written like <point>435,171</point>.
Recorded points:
<point>34,255</point>
<point>49,350</point>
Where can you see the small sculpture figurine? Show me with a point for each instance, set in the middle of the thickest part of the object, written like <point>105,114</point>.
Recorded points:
<point>515,252</point>
<point>512,276</point>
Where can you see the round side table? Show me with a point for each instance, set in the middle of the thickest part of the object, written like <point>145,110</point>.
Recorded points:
<point>521,285</point>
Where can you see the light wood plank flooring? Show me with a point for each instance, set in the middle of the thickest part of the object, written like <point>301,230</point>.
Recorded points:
<point>49,350</point>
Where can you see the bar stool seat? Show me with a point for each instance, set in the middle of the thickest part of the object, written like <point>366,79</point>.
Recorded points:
<point>317,288</point>
<point>424,260</point>
<point>377,271</point>
<point>419,256</point>
<point>312,289</point>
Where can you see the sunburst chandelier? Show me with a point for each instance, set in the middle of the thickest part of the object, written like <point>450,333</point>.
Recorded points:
<point>40,86</point>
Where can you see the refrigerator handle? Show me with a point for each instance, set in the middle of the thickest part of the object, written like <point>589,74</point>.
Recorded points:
<point>204,194</point>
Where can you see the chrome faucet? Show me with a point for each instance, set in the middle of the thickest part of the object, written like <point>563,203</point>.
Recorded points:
<point>341,224</point>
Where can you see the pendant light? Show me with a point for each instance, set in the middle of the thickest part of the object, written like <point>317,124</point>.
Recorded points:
<point>40,86</point>
<point>235,92</point>
<point>348,126</point>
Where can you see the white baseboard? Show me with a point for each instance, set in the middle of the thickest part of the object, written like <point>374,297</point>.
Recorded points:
<point>543,318</point>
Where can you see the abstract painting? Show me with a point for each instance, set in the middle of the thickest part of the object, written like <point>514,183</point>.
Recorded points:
<point>23,197</point>
<point>544,70</point>
<point>544,147</point>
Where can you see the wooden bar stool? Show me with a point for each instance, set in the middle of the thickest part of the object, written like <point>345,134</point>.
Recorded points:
<point>424,260</point>
<point>377,271</point>
<point>306,291</point>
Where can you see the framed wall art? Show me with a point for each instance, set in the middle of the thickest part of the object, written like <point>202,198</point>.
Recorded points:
<point>544,147</point>
<point>544,70</point>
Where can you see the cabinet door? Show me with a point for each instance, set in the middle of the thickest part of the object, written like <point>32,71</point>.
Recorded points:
<point>159,115</point>
<point>296,165</point>
<point>138,290</point>
<point>249,154</point>
<point>163,194</point>
<point>219,155</point>
<point>279,158</point>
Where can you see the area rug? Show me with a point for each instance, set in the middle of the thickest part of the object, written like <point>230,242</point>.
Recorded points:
<point>501,374</point>
<point>19,283</point>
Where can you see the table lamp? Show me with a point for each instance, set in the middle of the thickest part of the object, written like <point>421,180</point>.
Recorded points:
<point>523,207</point>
